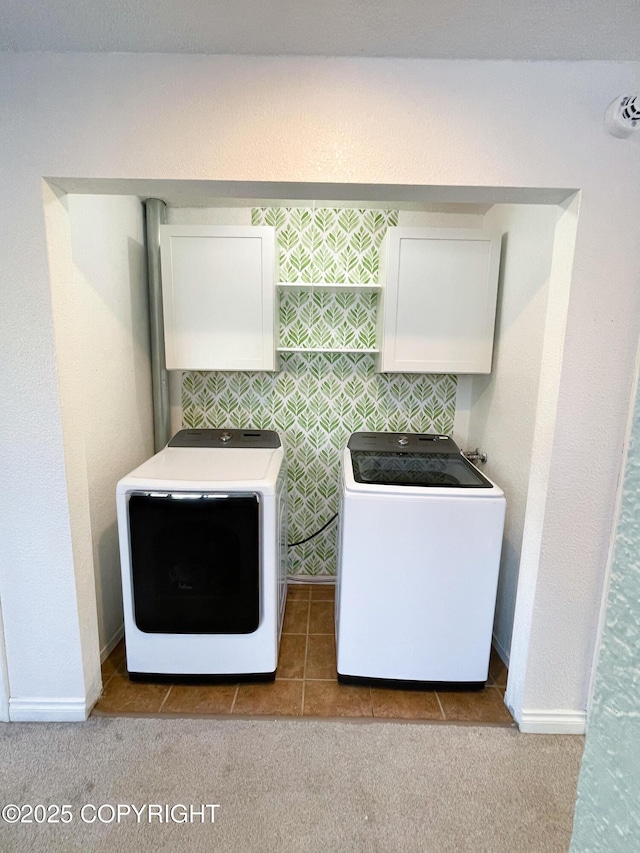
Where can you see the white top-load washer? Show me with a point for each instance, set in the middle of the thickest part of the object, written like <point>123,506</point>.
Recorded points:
<point>202,527</point>
<point>419,554</point>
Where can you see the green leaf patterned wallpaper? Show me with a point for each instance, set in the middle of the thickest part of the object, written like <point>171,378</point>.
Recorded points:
<point>328,245</point>
<point>317,399</point>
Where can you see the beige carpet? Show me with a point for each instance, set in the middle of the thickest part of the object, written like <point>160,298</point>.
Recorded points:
<point>290,785</point>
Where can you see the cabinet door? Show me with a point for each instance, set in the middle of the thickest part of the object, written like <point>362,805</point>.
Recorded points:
<point>218,297</point>
<point>438,303</point>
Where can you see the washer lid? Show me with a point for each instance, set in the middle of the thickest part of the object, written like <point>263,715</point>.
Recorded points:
<point>441,470</point>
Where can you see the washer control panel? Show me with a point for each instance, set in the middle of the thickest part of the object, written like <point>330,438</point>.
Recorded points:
<point>403,442</point>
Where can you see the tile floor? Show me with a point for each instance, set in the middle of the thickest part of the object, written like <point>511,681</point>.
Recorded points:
<point>305,684</point>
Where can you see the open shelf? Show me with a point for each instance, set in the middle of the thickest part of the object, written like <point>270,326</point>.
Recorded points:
<point>328,349</point>
<point>301,285</point>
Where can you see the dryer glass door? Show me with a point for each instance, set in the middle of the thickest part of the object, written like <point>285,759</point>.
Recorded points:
<point>195,562</point>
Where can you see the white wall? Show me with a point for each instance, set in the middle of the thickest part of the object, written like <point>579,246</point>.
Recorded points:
<point>530,661</point>
<point>98,289</point>
<point>468,124</point>
<point>504,403</point>
<point>110,324</point>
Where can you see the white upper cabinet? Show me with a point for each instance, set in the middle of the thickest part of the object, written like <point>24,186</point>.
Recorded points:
<point>438,302</point>
<point>218,285</point>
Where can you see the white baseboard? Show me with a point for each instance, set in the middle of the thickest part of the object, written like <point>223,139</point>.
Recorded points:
<point>553,722</point>
<point>111,644</point>
<point>49,710</point>
<point>504,654</point>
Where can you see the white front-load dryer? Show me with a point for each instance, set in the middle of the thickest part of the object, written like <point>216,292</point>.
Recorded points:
<point>419,554</point>
<point>202,529</point>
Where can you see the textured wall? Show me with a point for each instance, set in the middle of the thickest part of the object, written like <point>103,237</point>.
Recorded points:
<point>607,818</point>
<point>111,331</point>
<point>98,279</point>
<point>503,404</point>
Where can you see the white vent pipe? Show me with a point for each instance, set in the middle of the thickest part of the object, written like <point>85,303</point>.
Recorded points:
<point>155,216</point>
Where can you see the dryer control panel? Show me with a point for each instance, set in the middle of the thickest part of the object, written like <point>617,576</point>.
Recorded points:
<point>245,438</point>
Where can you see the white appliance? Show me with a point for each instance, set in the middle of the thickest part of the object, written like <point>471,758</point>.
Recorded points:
<point>419,553</point>
<point>202,527</point>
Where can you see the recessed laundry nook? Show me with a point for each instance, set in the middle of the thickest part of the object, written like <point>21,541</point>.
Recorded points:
<point>427,314</point>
